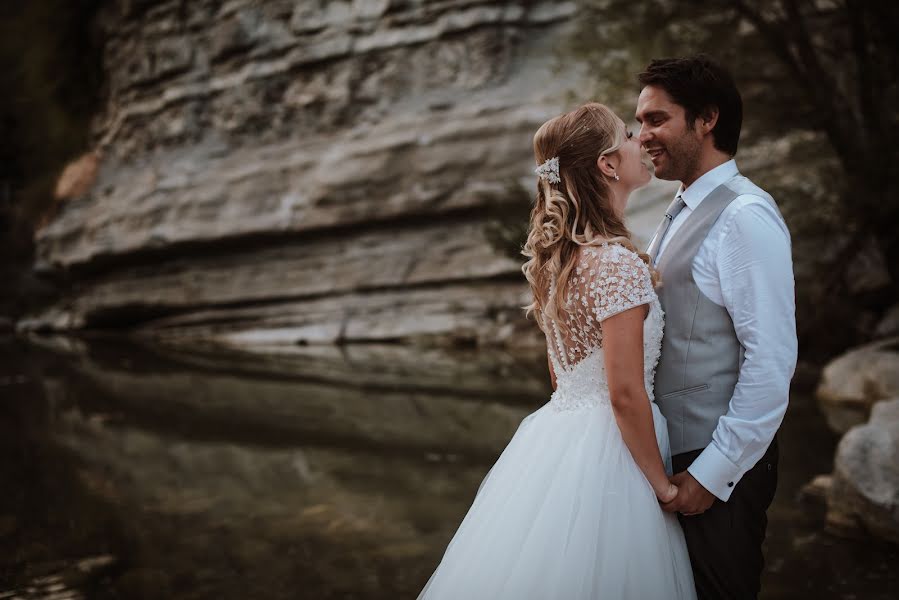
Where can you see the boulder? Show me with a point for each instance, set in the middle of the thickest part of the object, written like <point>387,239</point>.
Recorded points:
<point>889,324</point>
<point>853,382</point>
<point>868,272</point>
<point>864,493</point>
<point>816,491</point>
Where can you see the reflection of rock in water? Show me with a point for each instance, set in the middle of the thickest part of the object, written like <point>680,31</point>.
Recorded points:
<point>64,581</point>
<point>164,462</point>
<point>292,515</point>
<point>393,397</point>
<point>365,470</point>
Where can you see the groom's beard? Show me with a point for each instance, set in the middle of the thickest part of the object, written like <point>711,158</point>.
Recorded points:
<point>681,160</point>
<point>647,162</point>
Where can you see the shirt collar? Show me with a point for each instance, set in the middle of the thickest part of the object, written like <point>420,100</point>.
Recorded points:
<point>703,186</point>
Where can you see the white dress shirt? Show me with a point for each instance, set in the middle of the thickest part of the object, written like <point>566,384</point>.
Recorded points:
<point>745,265</point>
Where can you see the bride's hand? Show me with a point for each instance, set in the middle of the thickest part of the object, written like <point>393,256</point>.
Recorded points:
<point>668,493</point>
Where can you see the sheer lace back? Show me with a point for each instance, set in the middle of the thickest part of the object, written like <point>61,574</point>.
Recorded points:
<point>605,281</point>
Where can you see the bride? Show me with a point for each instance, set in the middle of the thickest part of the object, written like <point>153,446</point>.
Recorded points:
<point>571,507</point>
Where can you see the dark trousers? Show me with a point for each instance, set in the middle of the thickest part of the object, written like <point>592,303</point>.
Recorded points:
<point>725,542</point>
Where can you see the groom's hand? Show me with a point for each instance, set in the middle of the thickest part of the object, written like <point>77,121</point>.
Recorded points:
<point>692,498</point>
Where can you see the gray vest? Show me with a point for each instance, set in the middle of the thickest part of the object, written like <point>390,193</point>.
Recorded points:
<point>701,355</point>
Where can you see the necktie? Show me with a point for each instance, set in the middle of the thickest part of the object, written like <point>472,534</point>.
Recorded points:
<point>673,210</point>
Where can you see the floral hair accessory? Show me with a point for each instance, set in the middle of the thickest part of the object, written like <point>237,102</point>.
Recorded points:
<point>549,170</point>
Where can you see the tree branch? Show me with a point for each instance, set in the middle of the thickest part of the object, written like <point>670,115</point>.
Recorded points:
<point>838,105</point>
<point>870,115</point>
<point>831,106</point>
<point>777,41</point>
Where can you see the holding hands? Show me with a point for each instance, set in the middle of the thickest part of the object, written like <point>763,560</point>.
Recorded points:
<point>690,498</point>
<point>667,493</point>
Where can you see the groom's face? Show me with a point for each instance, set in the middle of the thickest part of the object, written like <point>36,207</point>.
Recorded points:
<point>673,145</point>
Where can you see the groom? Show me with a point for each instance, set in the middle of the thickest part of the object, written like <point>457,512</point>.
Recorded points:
<point>723,253</point>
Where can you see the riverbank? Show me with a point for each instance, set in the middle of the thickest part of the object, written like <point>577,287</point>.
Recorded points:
<point>329,473</point>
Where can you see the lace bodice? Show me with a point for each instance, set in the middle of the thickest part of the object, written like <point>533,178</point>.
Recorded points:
<point>606,280</point>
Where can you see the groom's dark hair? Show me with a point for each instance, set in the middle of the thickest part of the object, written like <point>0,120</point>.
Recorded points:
<point>698,83</point>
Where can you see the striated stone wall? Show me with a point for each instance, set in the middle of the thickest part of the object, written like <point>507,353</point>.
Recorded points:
<point>313,171</point>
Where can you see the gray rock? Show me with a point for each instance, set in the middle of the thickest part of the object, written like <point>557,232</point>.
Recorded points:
<point>889,324</point>
<point>281,173</point>
<point>868,271</point>
<point>466,313</point>
<point>853,382</point>
<point>864,495</point>
<point>816,491</point>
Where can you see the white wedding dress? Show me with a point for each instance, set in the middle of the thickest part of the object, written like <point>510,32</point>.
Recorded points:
<point>566,513</point>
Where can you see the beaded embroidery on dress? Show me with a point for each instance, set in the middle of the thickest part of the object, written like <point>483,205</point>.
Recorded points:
<point>607,280</point>
<point>566,512</point>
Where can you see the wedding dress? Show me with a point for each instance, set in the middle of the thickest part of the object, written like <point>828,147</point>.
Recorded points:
<point>566,513</point>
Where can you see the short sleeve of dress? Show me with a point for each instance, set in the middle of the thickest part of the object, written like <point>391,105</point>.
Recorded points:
<point>620,281</point>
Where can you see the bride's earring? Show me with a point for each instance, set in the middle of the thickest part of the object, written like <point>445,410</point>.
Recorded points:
<point>616,177</point>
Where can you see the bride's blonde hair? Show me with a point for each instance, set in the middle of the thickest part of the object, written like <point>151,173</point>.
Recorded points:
<point>576,211</point>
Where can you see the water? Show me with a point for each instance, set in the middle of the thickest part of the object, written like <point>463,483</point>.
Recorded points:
<point>133,472</point>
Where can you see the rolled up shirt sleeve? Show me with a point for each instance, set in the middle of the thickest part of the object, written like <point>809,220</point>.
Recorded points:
<point>755,270</point>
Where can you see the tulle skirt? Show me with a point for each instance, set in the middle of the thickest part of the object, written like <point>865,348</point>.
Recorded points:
<point>566,513</point>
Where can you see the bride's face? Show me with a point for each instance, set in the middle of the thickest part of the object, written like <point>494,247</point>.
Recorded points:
<point>634,168</point>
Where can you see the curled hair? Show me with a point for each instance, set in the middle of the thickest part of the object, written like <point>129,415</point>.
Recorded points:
<point>577,211</point>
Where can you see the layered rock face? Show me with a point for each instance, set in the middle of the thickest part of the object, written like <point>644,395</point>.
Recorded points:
<point>292,172</point>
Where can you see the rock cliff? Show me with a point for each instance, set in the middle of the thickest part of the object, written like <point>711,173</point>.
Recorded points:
<point>283,172</point>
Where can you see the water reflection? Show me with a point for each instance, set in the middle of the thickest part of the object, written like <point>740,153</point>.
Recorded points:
<point>130,472</point>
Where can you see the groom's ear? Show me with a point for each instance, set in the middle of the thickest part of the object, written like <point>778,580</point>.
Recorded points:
<point>707,119</point>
